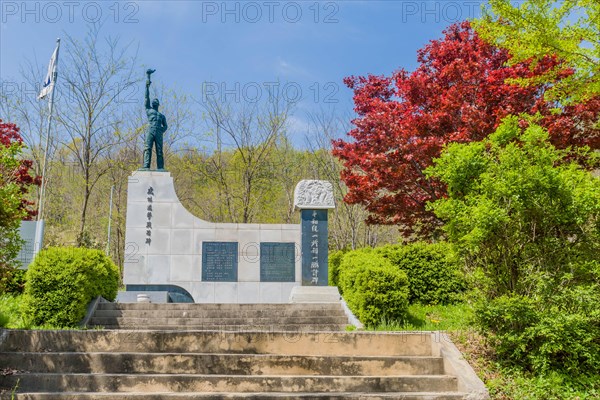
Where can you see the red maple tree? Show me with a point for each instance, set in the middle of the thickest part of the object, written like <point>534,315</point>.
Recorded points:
<point>9,134</point>
<point>457,94</point>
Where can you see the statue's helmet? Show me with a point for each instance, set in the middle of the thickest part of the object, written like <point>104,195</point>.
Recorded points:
<point>155,103</point>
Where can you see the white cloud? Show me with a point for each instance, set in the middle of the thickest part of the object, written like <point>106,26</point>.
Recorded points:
<point>288,70</point>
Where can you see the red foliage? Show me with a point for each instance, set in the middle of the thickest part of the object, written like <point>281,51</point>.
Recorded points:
<point>457,94</point>
<point>9,134</point>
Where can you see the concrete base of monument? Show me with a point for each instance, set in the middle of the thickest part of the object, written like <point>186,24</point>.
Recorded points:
<point>315,294</point>
<point>132,296</point>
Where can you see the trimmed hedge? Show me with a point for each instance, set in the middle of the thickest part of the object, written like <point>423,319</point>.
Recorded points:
<point>433,271</point>
<point>334,261</point>
<point>373,288</point>
<point>62,281</point>
<point>339,265</point>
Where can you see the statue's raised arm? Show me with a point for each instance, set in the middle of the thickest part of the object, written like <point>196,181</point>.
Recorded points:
<point>148,82</point>
<point>157,125</point>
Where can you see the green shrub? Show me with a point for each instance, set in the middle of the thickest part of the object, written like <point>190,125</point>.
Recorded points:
<point>334,261</point>
<point>525,219</point>
<point>517,206</point>
<point>433,271</point>
<point>374,289</point>
<point>62,281</point>
<point>350,255</point>
<point>14,281</point>
<point>4,320</point>
<point>557,332</point>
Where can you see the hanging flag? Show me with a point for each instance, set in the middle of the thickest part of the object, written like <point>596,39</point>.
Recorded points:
<point>50,76</point>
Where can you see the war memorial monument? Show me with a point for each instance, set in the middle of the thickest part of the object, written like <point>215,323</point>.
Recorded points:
<point>178,257</point>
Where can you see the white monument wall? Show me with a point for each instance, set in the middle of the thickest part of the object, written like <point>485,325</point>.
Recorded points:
<point>174,254</point>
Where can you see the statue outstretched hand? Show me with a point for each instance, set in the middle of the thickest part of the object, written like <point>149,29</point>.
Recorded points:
<point>148,73</point>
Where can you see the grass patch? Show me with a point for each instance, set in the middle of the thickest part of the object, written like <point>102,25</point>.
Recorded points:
<point>432,318</point>
<point>11,316</point>
<point>10,312</point>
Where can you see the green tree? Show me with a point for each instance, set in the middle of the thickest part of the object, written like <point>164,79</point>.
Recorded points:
<point>536,29</point>
<point>15,180</point>
<point>11,212</point>
<point>516,210</point>
<point>527,221</point>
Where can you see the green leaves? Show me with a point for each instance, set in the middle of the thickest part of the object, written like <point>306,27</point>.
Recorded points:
<point>515,205</point>
<point>550,331</point>
<point>540,29</point>
<point>11,203</point>
<point>62,281</point>
<point>458,165</point>
<point>526,223</point>
<point>374,289</point>
<point>434,273</point>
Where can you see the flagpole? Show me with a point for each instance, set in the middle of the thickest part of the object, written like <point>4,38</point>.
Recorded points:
<point>110,207</point>
<point>38,225</point>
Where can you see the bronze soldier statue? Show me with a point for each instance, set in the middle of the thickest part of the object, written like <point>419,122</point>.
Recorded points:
<point>157,125</point>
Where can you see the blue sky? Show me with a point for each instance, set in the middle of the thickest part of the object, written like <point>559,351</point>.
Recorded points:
<point>242,46</point>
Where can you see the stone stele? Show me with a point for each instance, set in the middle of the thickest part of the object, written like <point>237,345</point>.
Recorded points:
<point>314,195</point>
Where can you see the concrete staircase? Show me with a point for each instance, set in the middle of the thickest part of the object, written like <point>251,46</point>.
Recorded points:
<point>180,363</point>
<point>229,317</point>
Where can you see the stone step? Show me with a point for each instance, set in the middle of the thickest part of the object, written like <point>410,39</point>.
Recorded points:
<point>226,383</point>
<point>253,396</point>
<point>282,343</point>
<point>218,307</point>
<point>249,396</point>
<point>219,314</point>
<point>225,328</point>
<point>219,364</point>
<point>181,322</point>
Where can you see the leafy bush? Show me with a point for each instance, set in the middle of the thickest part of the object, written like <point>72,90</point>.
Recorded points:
<point>354,259</point>
<point>374,289</point>
<point>433,271</point>
<point>335,259</point>
<point>13,281</point>
<point>546,333</point>
<point>527,222</point>
<point>515,206</point>
<point>4,320</point>
<point>62,281</point>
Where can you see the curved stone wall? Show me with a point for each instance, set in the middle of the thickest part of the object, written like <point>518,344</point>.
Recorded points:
<point>164,244</point>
